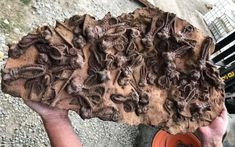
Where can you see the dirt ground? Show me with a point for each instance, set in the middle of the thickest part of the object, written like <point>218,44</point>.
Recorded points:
<point>20,126</point>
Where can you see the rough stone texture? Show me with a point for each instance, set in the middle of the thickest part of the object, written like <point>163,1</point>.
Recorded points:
<point>20,126</point>
<point>17,127</point>
<point>120,71</point>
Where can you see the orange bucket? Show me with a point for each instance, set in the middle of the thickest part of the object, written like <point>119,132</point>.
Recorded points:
<point>164,139</point>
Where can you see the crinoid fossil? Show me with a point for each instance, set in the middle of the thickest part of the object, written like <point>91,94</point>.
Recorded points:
<point>147,66</point>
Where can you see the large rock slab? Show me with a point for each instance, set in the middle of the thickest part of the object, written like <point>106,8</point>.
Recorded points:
<point>147,67</point>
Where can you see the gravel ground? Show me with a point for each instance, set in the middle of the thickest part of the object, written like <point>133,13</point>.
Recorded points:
<point>20,126</point>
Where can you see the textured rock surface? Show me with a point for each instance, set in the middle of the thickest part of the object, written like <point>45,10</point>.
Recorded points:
<point>19,124</point>
<point>16,116</point>
<point>127,69</point>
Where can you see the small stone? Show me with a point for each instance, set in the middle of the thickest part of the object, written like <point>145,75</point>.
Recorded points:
<point>17,30</point>
<point>6,21</point>
<point>1,55</point>
<point>47,5</point>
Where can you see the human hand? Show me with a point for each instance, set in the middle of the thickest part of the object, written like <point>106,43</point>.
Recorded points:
<point>212,135</point>
<point>47,113</point>
<point>57,125</point>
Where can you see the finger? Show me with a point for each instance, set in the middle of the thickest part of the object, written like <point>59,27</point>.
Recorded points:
<point>202,130</point>
<point>224,107</point>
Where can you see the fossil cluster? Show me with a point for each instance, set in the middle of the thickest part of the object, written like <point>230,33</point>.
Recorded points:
<point>147,67</point>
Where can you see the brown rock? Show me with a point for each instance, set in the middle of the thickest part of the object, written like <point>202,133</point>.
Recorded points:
<point>144,67</point>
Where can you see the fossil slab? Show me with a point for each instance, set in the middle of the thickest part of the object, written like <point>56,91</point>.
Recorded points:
<point>147,67</point>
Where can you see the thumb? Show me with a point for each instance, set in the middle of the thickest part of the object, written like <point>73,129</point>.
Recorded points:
<point>224,113</point>
<point>37,107</point>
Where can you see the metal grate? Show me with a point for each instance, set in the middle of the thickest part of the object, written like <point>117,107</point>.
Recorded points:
<point>221,19</point>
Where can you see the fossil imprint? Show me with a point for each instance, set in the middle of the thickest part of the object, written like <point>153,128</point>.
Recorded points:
<point>147,67</point>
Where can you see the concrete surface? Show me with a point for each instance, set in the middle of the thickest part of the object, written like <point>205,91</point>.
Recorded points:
<point>20,126</point>
<point>189,10</point>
